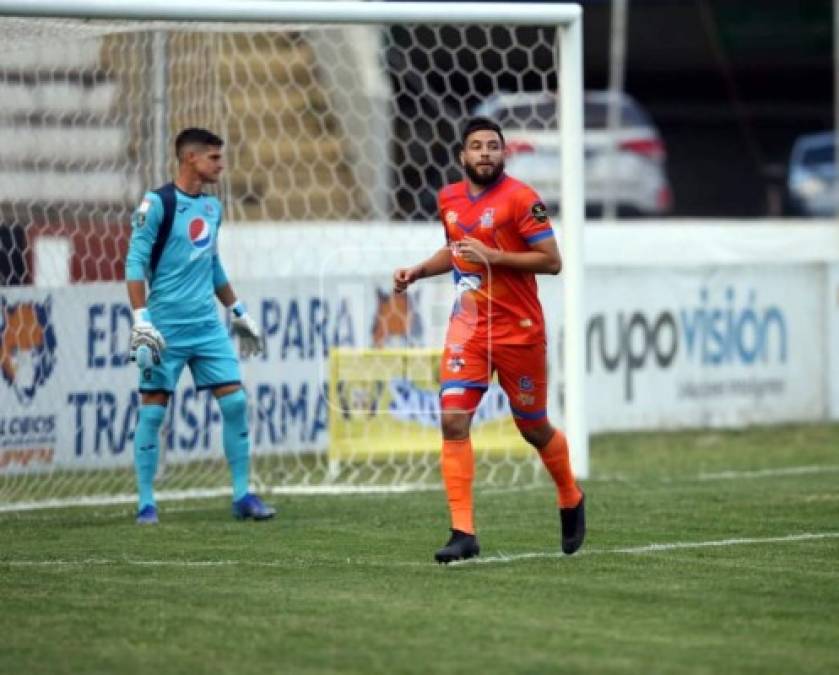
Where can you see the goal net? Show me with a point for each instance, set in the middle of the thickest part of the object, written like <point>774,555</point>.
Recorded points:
<point>338,132</point>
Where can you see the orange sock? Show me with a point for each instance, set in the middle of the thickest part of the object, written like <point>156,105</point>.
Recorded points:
<point>458,467</point>
<point>556,460</point>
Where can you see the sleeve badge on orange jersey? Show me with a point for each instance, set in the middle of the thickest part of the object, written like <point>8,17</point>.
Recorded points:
<point>451,217</point>
<point>539,212</point>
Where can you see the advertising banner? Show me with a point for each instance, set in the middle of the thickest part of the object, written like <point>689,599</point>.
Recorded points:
<point>665,348</point>
<point>69,393</point>
<point>705,346</point>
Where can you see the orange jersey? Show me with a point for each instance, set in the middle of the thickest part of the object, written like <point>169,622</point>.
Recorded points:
<point>494,303</point>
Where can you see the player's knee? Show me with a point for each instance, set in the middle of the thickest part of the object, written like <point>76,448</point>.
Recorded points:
<point>154,398</point>
<point>455,425</point>
<point>537,434</point>
<point>234,406</point>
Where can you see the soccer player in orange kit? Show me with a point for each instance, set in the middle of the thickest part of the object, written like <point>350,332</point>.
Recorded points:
<point>498,237</point>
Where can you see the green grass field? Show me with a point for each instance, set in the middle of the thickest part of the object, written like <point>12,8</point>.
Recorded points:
<point>347,583</point>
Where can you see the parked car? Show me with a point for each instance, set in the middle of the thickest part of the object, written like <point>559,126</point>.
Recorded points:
<point>637,165</point>
<point>812,189</point>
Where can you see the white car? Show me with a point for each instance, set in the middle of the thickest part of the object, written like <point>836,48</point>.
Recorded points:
<point>636,166</point>
<point>812,189</point>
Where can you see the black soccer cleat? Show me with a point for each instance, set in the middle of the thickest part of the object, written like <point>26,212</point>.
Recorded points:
<point>461,546</point>
<point>573,522</point>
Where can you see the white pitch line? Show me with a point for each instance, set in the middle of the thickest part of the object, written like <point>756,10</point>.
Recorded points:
<point>210,493</point>
<point>499,558</point>
<point>339,490</point>
<point>768,473</point>
<point>107,562</point>
<point>651,548</point>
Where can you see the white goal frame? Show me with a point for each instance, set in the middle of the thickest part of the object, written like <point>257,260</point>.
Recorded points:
<point>567,18</point>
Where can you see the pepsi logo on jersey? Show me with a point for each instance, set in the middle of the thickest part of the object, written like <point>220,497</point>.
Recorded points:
<point>199,233</point>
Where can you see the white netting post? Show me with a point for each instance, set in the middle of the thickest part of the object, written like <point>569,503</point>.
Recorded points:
<point>573,211</point>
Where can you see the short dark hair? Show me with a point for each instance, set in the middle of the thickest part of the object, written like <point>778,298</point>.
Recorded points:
<point>480,124</point>
<point>196,136</point>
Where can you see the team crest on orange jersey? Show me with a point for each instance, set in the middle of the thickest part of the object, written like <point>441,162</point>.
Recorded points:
<point>487,219</point>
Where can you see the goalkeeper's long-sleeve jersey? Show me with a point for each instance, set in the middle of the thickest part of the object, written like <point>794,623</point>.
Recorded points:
<point>182,286</point>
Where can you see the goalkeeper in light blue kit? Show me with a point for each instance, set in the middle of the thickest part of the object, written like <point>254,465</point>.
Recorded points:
<point>174,249</point>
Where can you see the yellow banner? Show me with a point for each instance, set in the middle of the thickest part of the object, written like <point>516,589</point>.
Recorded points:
<point>386,401</point>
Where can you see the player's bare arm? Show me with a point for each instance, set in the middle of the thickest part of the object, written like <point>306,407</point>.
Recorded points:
<point>439,263</point>
<point>542,258</point>
<point>226,295</point>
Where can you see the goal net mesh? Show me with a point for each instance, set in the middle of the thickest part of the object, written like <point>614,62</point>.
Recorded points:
<point>337,139</point>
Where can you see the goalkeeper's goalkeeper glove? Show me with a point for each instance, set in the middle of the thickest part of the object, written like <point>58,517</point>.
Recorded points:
<point>144,336</point>
<point>243,326</point>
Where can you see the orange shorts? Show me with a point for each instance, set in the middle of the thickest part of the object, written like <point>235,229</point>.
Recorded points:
<point>466,371</point>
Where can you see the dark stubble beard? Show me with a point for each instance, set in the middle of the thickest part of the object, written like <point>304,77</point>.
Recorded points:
<point>483,179</point>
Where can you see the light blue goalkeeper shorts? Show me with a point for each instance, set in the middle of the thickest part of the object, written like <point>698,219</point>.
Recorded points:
<point>206,348</point>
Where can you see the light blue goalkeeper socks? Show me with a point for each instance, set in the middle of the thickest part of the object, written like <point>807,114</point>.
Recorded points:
<point>147,450</point>
<point>234,414</point>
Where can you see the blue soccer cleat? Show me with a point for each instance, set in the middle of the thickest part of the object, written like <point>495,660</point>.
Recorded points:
<point>251,506</point>
<point>147,515</point>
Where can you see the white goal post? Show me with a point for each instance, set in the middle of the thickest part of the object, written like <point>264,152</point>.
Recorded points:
<point>155,15</point>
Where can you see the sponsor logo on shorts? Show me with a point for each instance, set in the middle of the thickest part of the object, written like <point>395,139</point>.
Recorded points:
<point>525,383</point>
<point>455,364</point>
<point>525,399</point>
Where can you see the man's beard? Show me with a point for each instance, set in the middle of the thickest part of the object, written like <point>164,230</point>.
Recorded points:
<point>483,179</point>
